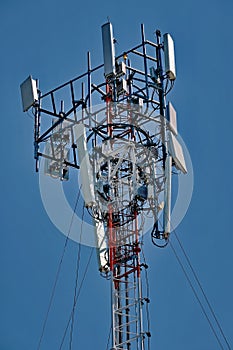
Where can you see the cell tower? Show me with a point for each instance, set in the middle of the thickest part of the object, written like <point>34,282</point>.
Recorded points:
<point>114,126</point>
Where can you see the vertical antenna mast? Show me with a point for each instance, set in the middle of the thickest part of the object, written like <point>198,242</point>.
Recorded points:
<point>124,150</point>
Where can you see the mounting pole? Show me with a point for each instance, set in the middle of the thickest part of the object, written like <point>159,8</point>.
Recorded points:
<point>167,161</point>
<point>145,61</point>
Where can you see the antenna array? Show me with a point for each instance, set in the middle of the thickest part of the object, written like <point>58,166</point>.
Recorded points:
<point>124,149</point>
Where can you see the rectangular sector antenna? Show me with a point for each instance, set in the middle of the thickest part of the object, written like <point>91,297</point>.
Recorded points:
<point>29,93</point>
<point>169,56</point>
<point>86,175</point>
<point>108,50</point>
<point>171,116</point>
<point>102,246</point>
<point>176,152</point>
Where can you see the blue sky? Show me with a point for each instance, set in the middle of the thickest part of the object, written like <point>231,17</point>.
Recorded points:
<point>49,39</point>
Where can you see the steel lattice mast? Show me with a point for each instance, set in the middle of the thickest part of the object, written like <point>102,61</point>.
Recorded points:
<point>124,150</point>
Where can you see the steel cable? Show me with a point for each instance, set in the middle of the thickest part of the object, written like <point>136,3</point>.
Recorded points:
<point>76,281</point>
<point>78,294</point>
<point>202,290</point>
<point>196,295</point>
<point>58,271</point>
<point>109,335</point>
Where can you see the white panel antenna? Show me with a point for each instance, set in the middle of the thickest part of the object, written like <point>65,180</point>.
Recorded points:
<point>120,69</point>
<point>108,50</point>
<point>86,174</point>
<point>29,93</point>
<point>176,151</point>
<point>122,87</point>
<point>102,246</point>
<point>169,56</point>
<point>171,116</point>
<point>167,196</point>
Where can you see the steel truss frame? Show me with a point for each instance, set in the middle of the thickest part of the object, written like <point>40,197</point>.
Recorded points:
<point>77,105</point>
